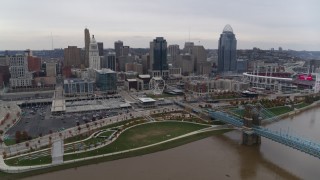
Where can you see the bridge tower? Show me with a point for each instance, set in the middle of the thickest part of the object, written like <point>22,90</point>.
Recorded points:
<point>251,118</point>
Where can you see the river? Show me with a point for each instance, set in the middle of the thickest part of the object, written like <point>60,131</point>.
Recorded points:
<point>217,157</point>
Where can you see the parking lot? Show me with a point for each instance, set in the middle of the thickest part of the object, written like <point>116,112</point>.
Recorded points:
<point>37,120</point>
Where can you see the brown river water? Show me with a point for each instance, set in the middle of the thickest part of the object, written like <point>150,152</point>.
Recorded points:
<point>217,157</point>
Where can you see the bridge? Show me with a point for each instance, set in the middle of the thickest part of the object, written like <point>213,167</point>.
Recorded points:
<point>252,131</point>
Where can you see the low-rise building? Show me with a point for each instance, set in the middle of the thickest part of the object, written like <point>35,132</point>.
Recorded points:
<point>20,76</point>
<point>106,80</point>
<point>78,87</point>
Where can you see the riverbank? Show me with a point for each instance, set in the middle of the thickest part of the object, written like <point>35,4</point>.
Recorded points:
<point>151,149</point>
<point>294,112</point>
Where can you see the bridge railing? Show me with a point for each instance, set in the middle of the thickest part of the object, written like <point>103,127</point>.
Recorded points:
<point>295,142</point>
<point>224,117</point>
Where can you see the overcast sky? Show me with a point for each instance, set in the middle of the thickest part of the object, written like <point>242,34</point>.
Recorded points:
<point>291,24</point>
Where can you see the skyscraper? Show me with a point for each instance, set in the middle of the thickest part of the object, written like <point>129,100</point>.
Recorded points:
<point>117,48</point>
<point>86,47</point>
<point>173,51</point>
<point>94,58</point>
<point>124,50</point>
<point>200,56</point>
<point>188,47</point>
<point>158,57</point>
<point>109,61</point>
<point>227,51</point>
<point>100,48</point>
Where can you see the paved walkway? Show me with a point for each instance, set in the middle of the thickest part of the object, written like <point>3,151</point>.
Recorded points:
<point>17,169</point>
<point>45,140</point>
<point>14,112</point>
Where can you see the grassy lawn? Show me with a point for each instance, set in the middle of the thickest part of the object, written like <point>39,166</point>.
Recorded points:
<point>120,123</point>
<point>280,110</point>
<point>29,162</point>
<point>82,136</point>
<point>142,135</point>
<point>9,142</point>
<point>138,136</point>
<point>75,138</point>
<point>107,133</point>
<point>301,105</point>
<point>161,147</point>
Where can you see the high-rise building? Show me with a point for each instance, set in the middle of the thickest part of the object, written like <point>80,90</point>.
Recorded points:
<point>173,51</point>
<point>51,69</point>
<point>20,76</point>
<point>186,63</point>
<point>72,56</point>
<point>135,67</point>
<point>94,58</point>
<point>117,46</point>
<point>145,63</point>
<point>123,60</point>
<point>124,50</point>
<point>158,57</point>
<point>188,47</point>
<point>227,51</point>
<point>34,64</point>
<point>86,47</point>
<point>100,48</point>
<point>109,61</point>
<point>200,56</point>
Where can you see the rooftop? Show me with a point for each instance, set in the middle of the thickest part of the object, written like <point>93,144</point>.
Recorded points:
<point>66,81</point>
<point>144,76</point>
<point>131,80</point>
<point>228,28</point>
<point>104,71</point>
<point>146,100</point>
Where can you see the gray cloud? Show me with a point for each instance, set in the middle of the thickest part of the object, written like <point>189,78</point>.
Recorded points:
<point>292,24</point>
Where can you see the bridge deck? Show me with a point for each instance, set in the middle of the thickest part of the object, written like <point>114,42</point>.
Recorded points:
<point>295,142</point>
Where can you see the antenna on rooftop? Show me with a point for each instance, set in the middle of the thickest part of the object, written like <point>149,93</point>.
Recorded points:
<point>189,34</point>
<point>51,41</point>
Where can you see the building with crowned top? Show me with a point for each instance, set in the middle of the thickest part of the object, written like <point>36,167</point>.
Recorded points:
<point>94,58</point>
<point>227,51</point>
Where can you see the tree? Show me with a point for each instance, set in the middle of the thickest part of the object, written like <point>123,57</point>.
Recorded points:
<point>18,136</point>
<point>24,135</point>
<point>4,154</point>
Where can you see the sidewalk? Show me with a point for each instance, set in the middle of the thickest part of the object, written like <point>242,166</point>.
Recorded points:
<point>17,169</point>
<point>22,148</point>
<point>14,112</point>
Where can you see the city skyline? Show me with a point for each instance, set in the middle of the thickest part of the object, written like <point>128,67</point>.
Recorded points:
<point>271,24</point>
